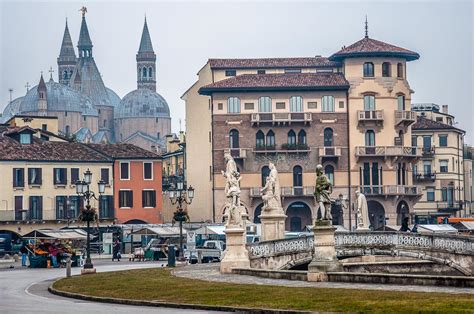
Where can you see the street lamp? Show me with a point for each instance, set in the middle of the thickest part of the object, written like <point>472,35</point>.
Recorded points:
<point>88,214</point>
<point>180,195</point>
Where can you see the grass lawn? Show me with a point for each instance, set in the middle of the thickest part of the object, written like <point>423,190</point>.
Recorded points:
<point>160,285</point>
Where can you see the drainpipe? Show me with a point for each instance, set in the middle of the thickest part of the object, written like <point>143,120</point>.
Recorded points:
<point>349,162</point>
<point>212,161</point>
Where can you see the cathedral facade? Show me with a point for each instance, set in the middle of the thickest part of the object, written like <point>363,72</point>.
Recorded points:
<point>87,110</point>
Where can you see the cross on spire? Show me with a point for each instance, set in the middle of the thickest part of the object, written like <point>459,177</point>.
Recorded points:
<point>366,27</point>
<point>27,86</point>
<point>51,71</point>
<point>83,11</point>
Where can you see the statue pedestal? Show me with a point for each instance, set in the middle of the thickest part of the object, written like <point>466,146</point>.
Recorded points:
<point>273,225</point>
<point>324,258</point>
<point>235,254</point>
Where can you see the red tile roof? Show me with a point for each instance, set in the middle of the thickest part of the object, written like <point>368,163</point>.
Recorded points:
<point>287,81</point>
<point>39,150</point>
<point>123,151</point>
<point>371,47</point>
<point>266,63</point>
<point>423,123</point>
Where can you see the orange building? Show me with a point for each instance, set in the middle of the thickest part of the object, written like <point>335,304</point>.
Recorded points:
<point>137,187</point>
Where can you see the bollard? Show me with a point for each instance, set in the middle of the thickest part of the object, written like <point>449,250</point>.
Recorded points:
<point>171,256</point>
<point>199,256</point>
<point>68,267</point>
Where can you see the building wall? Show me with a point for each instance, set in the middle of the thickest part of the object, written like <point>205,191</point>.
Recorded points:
<point>137,184</point>
<point>198,147</point>
<point>125,128</point>
<point>47,189</point>
<point>37,123</point>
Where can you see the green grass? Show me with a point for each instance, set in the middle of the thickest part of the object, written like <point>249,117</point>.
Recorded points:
<point>160,285</point>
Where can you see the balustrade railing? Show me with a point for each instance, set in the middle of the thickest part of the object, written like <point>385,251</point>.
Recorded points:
<point>388,151</point>
<point>405,116</point>
<point>370,115</point>
<point>283,117</point>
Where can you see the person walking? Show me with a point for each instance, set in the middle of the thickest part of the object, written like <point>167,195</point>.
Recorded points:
<point>24,253</point>
<point>53,251</point>
<point>116,251</point>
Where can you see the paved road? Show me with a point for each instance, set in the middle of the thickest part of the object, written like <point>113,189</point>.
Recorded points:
<point>25,291</point>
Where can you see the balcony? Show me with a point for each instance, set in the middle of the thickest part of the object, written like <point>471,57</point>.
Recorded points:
<point>236,153</point>
<point>284,149</point>
<point>283,118</point>
<point>372,117</point>
<point>391,190</point>
<point>287,191</point>
<point>449,206</point>
<point>329,152</point>
<point>388,151</point>
<point>424,177</point>
<point>404,118</point>
<point>428,152</point>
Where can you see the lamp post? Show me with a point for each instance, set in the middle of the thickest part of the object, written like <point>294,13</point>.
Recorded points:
<point>88,214</point>
<point>180,195</point>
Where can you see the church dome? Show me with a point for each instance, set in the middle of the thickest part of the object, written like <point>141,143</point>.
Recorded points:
<point>59,98</point>
<point>11,109</point>
<point>113,97</point>
<point>142,103</point>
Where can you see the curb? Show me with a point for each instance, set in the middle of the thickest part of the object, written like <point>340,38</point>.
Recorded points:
<point>220,308</point>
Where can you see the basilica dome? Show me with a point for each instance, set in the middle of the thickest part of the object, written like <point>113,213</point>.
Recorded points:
<point>142,103</point>
<point>113,97</point>
<point>11,109</point>
<point>59,98</point>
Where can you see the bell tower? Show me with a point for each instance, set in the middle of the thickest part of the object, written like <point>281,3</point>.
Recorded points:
<point>146,62</point>
<point>66,59</point>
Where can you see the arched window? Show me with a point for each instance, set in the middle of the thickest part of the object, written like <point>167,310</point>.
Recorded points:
<point>400,70</point>
<point>297,176</point>
<point>260,139</point>
<point>234,139</point>
<point>328,137</point>
<point>270,141</point>
<point>291,138</point>
<point>65,74</point>
<point>296,104</point>
<point>368,69</point>
<point>401,102</point>
<point>144,73</point>
<point>370,138</point>
<point>150,72</point>
<point>233,105</point>
<point>328,103</point>
<point>386,69</point>
<point>264,104</point>
<point>265,173</point>
<point>329,170</point>
<point>369,102</point>
<point>302,137</point>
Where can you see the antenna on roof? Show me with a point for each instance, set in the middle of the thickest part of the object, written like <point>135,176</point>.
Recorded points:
<point>366,27</point>
<point>180,125</point>
<point>10,90</point>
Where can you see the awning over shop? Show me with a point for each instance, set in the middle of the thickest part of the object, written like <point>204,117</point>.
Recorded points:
<point>164,231</point>
<point>64,234</point>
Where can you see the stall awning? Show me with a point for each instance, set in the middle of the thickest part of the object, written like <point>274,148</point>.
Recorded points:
<point>206,230</point>
<point>164,231</point>
<point>66,234</point>
<point>437,228</point>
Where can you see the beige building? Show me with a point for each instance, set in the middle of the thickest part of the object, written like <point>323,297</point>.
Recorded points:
<point>440,171</point>
<point>468,182</point>
<point>372,123</point>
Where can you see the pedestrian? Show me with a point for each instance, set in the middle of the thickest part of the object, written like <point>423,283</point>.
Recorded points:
<point>405,227</point>
<point>24,253</point>
<point>53,252</point>
<point>415,228</point>
<point>116,251</point>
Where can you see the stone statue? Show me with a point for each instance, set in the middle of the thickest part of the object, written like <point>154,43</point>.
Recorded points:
<point>362,212</point>
<point>271,192</point>
<point>322,194</point>
<point>232,192</point>
<point>83,11</point>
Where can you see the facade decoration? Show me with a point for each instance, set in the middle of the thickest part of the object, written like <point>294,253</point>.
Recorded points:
<point>363,222</point>
<point>322,194</point>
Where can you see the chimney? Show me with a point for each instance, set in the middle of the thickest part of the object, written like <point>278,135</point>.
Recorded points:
<point>444,109</point>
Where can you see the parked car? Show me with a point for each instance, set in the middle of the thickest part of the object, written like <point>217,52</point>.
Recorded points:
<point>211,251</point>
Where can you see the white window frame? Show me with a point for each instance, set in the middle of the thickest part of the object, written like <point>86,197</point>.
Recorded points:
<point>329,105</point>
<point>152,172</point>
<point>120,171</point>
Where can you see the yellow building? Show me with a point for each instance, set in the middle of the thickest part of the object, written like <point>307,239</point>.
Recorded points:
<point>440,171</point>
<point>372,120</point>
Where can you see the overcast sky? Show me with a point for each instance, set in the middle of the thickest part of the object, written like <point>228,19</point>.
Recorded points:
<point>186,34</point>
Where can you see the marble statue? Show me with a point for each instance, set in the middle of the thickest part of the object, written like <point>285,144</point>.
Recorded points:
<point>362,212</point>
<point>322,194</point>
<point>271,192</point>
<point>232,192</point>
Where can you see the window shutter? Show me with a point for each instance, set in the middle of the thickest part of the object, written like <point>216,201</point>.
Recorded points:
<point>40,207</point>
<point>39,175</point>
<point>143,198</point>
<point>121,199</point>
<point>131,198</point>
<point>153,199</point>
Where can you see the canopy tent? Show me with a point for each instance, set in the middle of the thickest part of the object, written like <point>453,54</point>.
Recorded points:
<point>162,231</point>
<point>464,226</point>
<point>437,229</point>
<point>208,230</point>
<point>63,234</point>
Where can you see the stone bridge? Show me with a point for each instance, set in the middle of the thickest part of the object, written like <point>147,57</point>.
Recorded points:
<point>452,250</point>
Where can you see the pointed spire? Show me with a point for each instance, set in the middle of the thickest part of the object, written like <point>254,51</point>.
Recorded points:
<point>145,43</point>
<point>42,84</point>
<point>366,27</point>
<point>67,48</point>
<point>85,42</point>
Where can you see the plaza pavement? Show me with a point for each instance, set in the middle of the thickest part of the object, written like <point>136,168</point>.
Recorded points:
<point>210,272</point>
